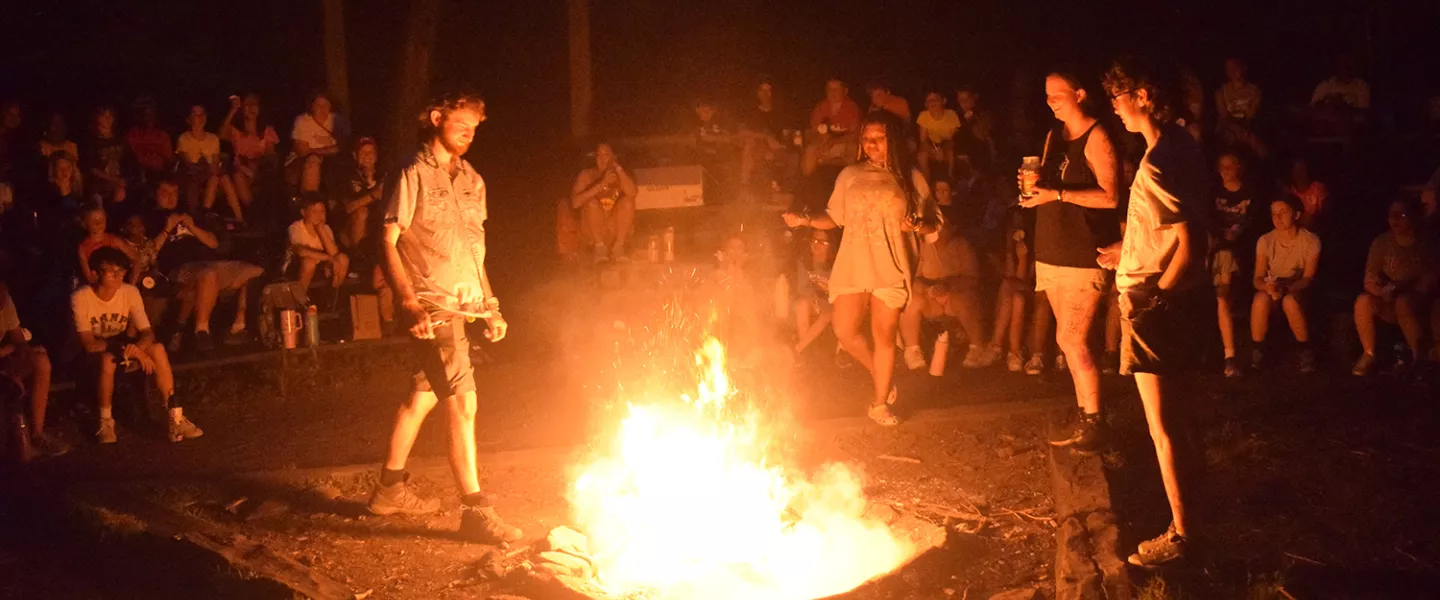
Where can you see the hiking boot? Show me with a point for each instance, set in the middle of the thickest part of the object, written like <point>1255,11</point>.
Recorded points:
<point>1013,362</point>
<point>1307,360</point>
<point>1257,359</point>
<point>47,445</point>
<point>914,358</point>
<point>482,525</point>
<point>1036,364</point>
<point>1364,366</point>
<point>203,343</point>
<point>1086,438</point>
<point>106,435</point>
<point>1111,364</point>
<point>391,499</point>
<point>1168,547</point>
<point>1060,365</point>
<point>182,429</point>
<point>1232,367</point>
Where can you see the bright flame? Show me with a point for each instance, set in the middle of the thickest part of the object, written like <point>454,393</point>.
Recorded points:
<point>685,504</point>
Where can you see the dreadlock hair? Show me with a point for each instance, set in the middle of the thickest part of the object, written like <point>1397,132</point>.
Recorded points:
<point>899,161</point>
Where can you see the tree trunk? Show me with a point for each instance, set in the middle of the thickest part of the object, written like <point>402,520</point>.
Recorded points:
<point>414,77</point>
<point>581,85</point>
<point>337,75</point>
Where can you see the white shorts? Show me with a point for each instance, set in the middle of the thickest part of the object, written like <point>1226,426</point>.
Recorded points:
<point>1051,277</point>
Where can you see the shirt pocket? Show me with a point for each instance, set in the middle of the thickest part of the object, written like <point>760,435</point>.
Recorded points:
<point>436,208</point>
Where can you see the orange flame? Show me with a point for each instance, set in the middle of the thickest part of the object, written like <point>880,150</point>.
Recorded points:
<point>687,503</point>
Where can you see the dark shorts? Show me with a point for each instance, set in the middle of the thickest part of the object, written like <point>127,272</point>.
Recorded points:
<point>444,362</point>
<point>1160,336</point>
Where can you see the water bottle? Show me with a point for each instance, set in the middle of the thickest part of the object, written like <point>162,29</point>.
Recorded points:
<point>312,326</point>
<point>669,244</point>
<point>20,448</point>
<point>942,351</point>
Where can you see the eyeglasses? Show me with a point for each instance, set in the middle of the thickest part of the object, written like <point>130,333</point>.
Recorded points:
<point>1116,96</point>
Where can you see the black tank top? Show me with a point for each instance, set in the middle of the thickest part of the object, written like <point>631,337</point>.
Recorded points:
<point>1066,235</point>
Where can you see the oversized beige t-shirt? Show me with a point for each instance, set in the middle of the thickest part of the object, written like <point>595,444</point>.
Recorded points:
<point>875,254</point>
<point>1170,188</point>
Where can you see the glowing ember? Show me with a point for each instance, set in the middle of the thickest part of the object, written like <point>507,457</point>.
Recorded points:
<point>687,503</point>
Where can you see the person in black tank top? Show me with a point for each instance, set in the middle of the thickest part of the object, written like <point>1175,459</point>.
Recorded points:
<point>1074,200</point>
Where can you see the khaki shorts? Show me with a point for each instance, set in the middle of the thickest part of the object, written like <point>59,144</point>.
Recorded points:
<point>1222,265</point>
<point>444,362</point>
<point>230,274</point>
<point>1051,277</point>
<point>894,297</point>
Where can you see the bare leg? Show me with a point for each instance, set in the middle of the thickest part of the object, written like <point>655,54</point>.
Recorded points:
<point>207,293</point>
<point>462,442</point>
<point>105,387</point>
<point>883,323</point>
<point>1260,316</point>
<point>748,153</point>
<point>849,313</point>
<point>1074,311</point>
<point>1004,299</point>
<point>244,189</point>
<point>1112,323</point>
<point>1407,314</point>
<point>341,266</point>
<point>1040,319</point>
<point>965,307</point>
<point>1017,321</point>
<point>1295,314</point>
<point>164,375</point>
<point>624,220</point>
<point>306,274</point>
<point>227,186</point>
<point>39,388</point>
<point>241,305</point>
<point>592,224</point>
<point>211,183</point>
<point>1151,390</point>
<point>913,315</point>
<point>1365,321</point>
<point>310,176</point>
<point>355,226</point>
<point>384,295</point>
<point>1225,319</point>
<point>407,427</point>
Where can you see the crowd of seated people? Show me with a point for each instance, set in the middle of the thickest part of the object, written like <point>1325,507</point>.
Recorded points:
<point>157,233</point>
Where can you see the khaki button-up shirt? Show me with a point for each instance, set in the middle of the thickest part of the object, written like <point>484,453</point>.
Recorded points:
<point>442,226</point>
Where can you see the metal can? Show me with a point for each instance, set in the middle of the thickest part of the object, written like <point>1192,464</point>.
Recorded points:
<point>669,244</point>
<point>312,326</point>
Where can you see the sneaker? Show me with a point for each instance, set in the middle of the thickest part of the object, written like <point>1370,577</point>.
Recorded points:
<point>973,356</point>
<point>1166,548</point>
<point>1111,365</point>
<point>106,435</point>
<point>203,343</point>
<point>237,338</point>
<point>1036,364</point>
<point>182,429</point>
<point>1307,360</point>
<point>177,340</point>
<point>1013,362</point>
<point>1060,363</point>
<point>914,358</point>
<point>619,255</point>
<point>988,356</point>
<point>1257,359</point>
<point>1232,367</point>
<point>47,445</point>
<point>1364,366</point>
<point>1086,438</point>
<point>391,499</point>
<point>843,360</point>
<point>482,525</point>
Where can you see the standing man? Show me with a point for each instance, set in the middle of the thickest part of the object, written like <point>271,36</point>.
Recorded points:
<point>435,261</point>
<point>1074,200</point>
<point>1159,267</point>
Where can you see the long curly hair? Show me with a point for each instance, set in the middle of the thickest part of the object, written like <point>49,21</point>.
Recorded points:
<point>898,160</point>
<point>1161,84</point>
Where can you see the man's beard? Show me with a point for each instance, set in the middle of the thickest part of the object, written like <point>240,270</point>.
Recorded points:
<point>454,149</point>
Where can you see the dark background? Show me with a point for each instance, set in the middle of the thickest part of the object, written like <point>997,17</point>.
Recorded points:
<point>654,57</point>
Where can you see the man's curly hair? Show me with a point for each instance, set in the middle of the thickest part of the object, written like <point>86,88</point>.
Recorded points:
<point>1161,85</point>
<point>447,104</point>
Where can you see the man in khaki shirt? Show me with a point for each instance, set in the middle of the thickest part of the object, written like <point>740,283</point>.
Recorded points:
<point>435,261</point>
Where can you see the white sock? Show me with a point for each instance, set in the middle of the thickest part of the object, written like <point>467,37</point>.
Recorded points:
<point>1229,353</point>
<point>105,414</point>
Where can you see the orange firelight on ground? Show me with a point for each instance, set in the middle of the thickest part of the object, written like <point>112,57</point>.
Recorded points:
<point>688,501</point>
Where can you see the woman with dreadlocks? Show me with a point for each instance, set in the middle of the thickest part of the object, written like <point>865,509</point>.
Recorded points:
<point>884,206</point>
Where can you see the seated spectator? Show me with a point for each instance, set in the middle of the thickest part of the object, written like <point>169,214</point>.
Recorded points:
<point>143,248</point>
<point>199,152</point>
<point>1345,91</point>
<point>65,189</point>
<point>946,286</point>
<point>93,219</point>
<point>715,140</point>
<point>1233,206</point>
<point>316,136</point>
<point>605,196</point>
<point>937,126</point>
<point>312,244</point>
<point>767,143</point>
<point>1193,92</point>
<point>1237,102</point>
<point>110,318</point>
<point>1017,281</point>
<point>55,140</point>
<point>1400,278</point>
<point>1285,263</point>
<point>254,143</point>
<point>149,144</point>
<point>834,129</point>
<point>365,192</point>
<point>812,289</point>
<point>21,363</point>
<point>881,98</point>
<point>976,138</point>
<point>189,260</point>
<point>105,160</point>
<point>1311,192</point>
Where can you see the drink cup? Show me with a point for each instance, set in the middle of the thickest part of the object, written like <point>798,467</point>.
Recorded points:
<point>1029,174</point>
<point>290,325</point>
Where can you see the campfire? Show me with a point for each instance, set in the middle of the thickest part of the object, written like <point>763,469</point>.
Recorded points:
<point>689,498</point>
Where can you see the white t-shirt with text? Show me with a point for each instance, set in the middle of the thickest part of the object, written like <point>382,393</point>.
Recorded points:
<point>107,319</point>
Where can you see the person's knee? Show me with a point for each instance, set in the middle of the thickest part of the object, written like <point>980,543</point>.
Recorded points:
<point>462,406</point>
<point>158,354</point>
<point>40,364</point>
<point>1364,304</point>
<point>208,277</point>
<point>342,260</point>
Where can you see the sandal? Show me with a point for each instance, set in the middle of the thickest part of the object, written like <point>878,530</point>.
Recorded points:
<point>882,416</point>
<point>892,396</point>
